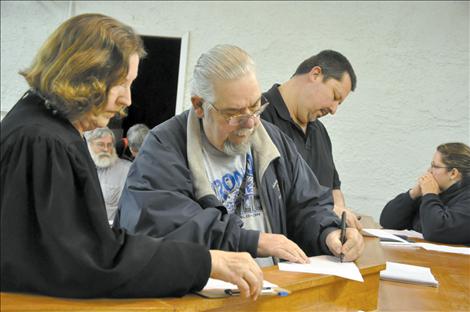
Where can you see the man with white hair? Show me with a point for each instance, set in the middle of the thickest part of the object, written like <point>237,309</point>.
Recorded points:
<point>135,137</point>
<point>112,170</point>
<point>219,176</point>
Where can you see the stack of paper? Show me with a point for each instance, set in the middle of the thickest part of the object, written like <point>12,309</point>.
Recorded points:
<point>385,235</point>
<point>444,248</point>
<point>325,265</point>
<point>407,273</point>
<point>389,237</point>
<point>407,233</point>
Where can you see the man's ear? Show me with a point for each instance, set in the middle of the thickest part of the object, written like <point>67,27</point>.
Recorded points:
<point>316,73</point>
<point>197,105</point>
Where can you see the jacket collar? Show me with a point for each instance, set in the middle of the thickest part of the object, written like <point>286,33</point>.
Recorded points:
<point>278,103</point>
<point>264,151</point>
<point>454,189</point>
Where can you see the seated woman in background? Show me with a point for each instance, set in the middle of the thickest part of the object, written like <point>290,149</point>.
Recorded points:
<point>439,204</point>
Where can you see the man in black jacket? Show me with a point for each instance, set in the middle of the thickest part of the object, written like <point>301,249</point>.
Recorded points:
<point>217,176</point>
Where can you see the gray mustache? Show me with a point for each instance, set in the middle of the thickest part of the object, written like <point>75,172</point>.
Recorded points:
<point>244,131</point>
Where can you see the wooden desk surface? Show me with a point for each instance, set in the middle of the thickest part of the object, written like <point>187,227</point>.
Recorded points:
<point>308,292</point>
<point>451,270</point>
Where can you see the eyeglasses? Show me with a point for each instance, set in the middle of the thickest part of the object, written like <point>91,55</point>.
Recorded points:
<point>433,166</point>
<point>102,145</point>
<point>238,119</point>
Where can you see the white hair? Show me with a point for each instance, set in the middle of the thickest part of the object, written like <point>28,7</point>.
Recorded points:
<point>222,62</point>
<point>99,133</point>
<point>136,135</point>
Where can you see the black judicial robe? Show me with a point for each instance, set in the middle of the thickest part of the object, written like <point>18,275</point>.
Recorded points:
<point>55,237</point>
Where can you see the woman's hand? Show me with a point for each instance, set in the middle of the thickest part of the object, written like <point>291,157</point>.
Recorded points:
<point>428,184</point>
<point>238,268</point>
<point>415,192</point>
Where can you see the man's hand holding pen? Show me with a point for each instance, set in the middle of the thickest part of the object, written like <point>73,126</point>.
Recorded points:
<point>348,246</point>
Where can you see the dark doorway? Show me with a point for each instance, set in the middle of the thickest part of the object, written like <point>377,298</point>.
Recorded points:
<point>155,89</point>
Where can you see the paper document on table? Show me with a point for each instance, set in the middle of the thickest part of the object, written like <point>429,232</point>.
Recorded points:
<point>444,248</point>
<point>407,273</point>
<point>383,234</point>
<point>407,233</point>
<point>325,265</point>
<point>399,244</point>
<point>217,288</point>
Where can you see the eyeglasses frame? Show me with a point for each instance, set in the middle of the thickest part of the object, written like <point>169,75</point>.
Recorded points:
<point>239,117</point>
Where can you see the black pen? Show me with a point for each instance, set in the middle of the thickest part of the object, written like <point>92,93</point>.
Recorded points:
<point>232,292</point>
<point>343,233</point>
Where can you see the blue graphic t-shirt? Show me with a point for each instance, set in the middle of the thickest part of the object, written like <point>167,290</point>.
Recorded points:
<point>233,180</point>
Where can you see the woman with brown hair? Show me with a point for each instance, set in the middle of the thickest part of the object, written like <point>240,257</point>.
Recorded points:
<point>55,236</point>
<point>439,204</point>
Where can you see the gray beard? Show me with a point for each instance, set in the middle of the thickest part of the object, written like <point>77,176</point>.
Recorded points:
<point>232,149</point>
<point>104,160</point>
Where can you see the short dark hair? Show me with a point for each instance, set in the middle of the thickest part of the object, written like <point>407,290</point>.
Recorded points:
<point>333,65</point>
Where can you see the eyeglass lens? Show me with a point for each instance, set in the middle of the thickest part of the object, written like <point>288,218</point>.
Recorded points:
<point>241,119</point>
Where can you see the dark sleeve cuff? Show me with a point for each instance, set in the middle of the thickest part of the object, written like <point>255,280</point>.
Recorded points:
<point>249,242</point>
<point>429,197</point>
<point>203,274</point>
<point>323,235</point>
<point>408,197</point>
<point>205,271</point>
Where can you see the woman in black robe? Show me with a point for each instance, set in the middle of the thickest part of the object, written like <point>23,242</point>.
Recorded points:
<point>55,237</point>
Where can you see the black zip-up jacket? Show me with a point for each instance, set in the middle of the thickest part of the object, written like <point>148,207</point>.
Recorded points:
<point>167,193</point>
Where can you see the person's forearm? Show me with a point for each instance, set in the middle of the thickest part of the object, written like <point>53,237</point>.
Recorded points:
<point>338,198</point>
<point>340,207</point>
<point>399,212</point>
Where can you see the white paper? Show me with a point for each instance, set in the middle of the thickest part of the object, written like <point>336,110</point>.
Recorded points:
<point>444,248</point>
<point>325,265</point>
<point>407,273</point>
<point>384,234</point>
<point>408,233</point>
<point>400,244</point>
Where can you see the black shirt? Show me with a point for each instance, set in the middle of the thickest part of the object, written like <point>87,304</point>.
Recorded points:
<point>314,145</point>
<point>55,236</point>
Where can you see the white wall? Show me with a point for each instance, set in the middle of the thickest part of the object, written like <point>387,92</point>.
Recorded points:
<point>411,59</point>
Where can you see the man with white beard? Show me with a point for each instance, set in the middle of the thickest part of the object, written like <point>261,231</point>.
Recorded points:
<point>219,176</point>
<point>112,170</point>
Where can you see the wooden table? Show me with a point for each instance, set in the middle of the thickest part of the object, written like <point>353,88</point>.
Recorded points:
<point>308,292</point>
<point>451,270</point>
